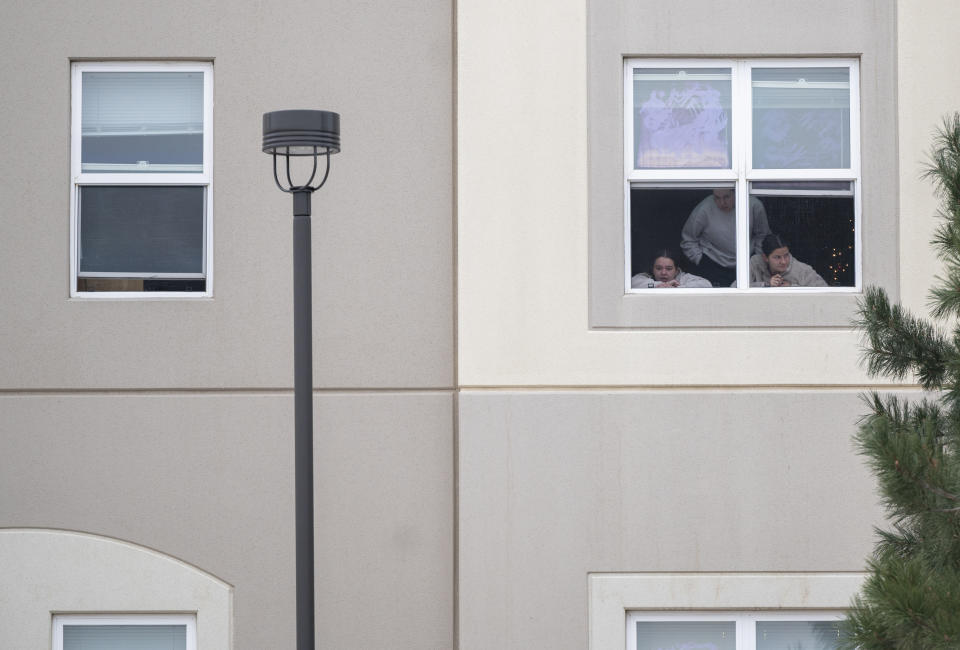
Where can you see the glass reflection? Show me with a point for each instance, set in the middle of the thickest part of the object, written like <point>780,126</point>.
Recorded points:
<point>682,118</point>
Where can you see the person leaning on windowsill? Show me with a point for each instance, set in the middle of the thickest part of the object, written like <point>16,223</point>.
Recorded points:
<point>775,267</point>
<point>664,273</point>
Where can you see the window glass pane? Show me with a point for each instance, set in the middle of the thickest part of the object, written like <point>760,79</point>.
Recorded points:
<point>124,637</point>
<point>141,230</point>
<point>801,118</point>
<point>814,222</point>
<point>697,224</point>
<point>142,122</point>
<point>686,635</point>
<point>681,118</point>
<point>808,635</point>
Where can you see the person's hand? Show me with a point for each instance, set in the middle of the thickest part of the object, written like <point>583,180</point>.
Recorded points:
<point>778,281</point>
<point>672,284</point>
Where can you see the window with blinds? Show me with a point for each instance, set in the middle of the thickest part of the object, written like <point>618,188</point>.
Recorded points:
<point>124,632</point>
<point>142,122</point>
<point>142,179</point>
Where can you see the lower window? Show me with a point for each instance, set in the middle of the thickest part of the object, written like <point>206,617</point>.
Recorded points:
<point>801,234</point>
<point>124,632</point>
<point>773,630</point>
<point>141,238</point>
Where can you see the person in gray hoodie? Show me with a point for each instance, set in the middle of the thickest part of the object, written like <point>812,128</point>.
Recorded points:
<point>709,236</point>
<point>775,267</point>
<point>665,274</point>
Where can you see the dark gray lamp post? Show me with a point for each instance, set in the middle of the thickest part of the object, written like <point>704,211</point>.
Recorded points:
<point>315,134</point>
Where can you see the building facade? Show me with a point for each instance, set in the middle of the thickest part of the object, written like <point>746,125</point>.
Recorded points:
<point>513,448</point>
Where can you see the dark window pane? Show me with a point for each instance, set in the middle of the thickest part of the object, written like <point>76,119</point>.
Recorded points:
<point>699,224</point>
<point>174,284</point>
<point>819,232</point>
<point>141,230</point>
<point>179,152</point>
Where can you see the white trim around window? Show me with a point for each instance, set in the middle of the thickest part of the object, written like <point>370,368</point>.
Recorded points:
<point>146,174</point>
<point>187,621</point>
<point>615,598</point>
<point>734,169</point>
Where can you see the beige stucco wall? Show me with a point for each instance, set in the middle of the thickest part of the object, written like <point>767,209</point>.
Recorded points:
<point>584,451</point>
<point>523,214</point>
<point>929,89</point>
<point>169,423</point>
<point>557,485</point>
<point>208,480</point>
<point>48,572</point>
<point>382,224</point>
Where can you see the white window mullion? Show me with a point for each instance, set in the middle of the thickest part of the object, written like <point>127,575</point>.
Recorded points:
<point>855,164</point>
<point>747,633</point>
<point>742,130</point>
<point>801,175</point>
<point>628,170</point>
<point>142,179</point>
<point>683,175</point>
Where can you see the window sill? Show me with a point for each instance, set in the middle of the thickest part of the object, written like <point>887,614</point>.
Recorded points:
<point>140,295</point>
<point>713,308</point>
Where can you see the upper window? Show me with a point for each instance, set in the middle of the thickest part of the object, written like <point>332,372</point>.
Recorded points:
<point>742,175</point>
<point>771,630</point>
<point>124,632</point>
<point>141,168</point>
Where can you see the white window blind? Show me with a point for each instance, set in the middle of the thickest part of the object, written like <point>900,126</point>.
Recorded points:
<point>137,103</point>
<point>124,637</point>
<point>142,122</point>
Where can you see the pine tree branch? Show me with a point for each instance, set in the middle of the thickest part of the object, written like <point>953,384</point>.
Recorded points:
<point>938,491</point>
<point>943,169</point>
<point>945,295</point>
<point>899,343</point>
<point>906,447</point>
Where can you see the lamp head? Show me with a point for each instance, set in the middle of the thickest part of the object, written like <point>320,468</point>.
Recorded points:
<point>301,133</point>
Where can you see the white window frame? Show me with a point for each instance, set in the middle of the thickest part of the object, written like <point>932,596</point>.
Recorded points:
<point>203,179</point>
<point>189,620</point>
<point>741,172</point>
<point>746,622</point>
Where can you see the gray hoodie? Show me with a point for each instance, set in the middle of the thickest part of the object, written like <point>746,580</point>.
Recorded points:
<point>686,280</point>
<point>797,274</point>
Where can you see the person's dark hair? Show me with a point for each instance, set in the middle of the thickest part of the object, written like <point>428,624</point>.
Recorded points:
<point>772,242</point>
<point>664,252</point>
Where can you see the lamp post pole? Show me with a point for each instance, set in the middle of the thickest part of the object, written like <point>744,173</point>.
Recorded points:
<point>303,422</point>
<point>288,134</point>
